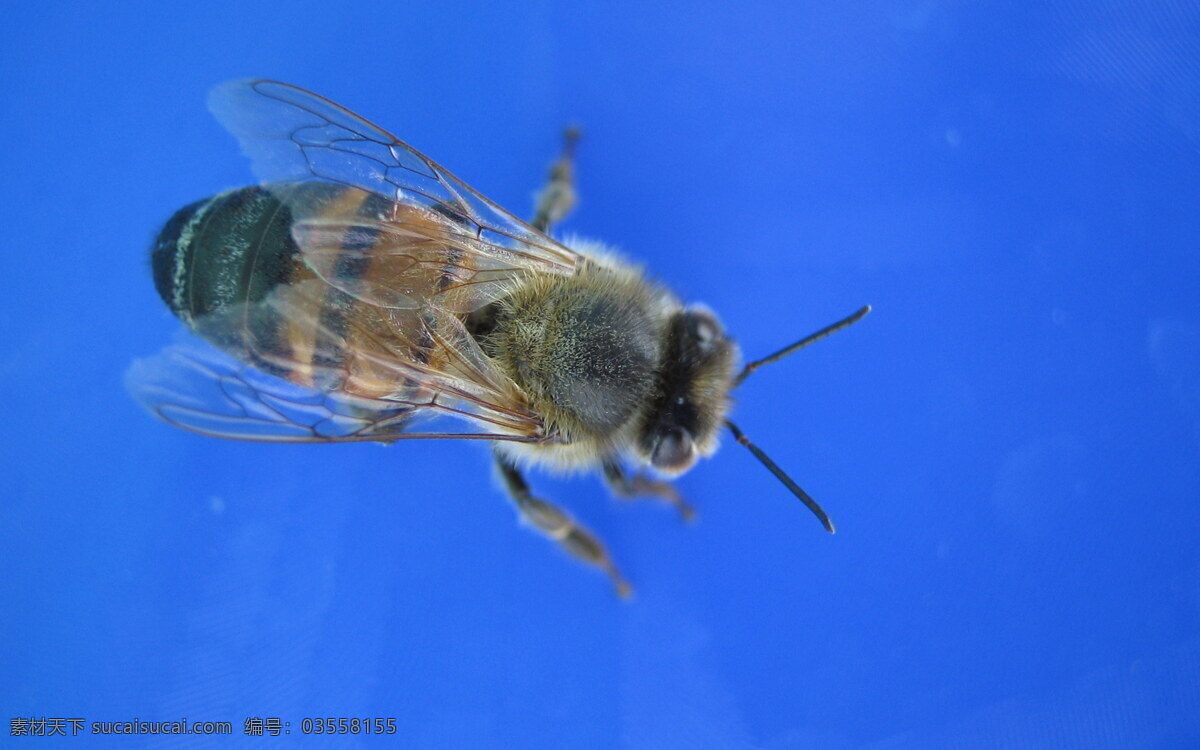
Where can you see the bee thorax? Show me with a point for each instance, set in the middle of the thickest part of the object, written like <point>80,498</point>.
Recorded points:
<point>584,348</point>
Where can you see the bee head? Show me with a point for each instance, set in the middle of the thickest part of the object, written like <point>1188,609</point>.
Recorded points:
<point>692,396</point>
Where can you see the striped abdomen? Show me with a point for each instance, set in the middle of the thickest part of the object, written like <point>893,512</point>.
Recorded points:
<point>231,270</point>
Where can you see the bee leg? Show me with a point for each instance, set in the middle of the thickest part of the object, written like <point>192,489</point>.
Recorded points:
<point>556,524</point>
<point>626,487</point>
<point>557,199</point>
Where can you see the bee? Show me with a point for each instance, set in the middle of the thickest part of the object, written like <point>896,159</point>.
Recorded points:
<point>361,292</point>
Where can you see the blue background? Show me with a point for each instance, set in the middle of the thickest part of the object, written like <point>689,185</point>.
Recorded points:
<point>1008,444</point>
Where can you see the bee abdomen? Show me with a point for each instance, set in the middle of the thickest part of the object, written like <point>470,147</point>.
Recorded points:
<point>231,248</point>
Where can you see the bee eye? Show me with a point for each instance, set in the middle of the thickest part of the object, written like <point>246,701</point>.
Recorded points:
<point>705,329</point>
<point>674,451</point>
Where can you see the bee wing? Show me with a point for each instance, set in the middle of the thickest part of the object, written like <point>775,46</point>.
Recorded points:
<point>323,378</point>
<point>295,136</point>
<point>396,255</point>
<point>192,385</point>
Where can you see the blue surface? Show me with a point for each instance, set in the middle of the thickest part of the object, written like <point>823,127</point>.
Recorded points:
<point>1009,444</point>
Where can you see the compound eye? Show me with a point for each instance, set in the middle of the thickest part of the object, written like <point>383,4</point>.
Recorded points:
<point>705,329</point>
<point>674,451</point>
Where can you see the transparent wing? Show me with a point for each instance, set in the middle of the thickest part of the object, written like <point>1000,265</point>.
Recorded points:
<point>191,384</point>
<point>400,257</point>
<point>293,136</point>
<point>292,368</point>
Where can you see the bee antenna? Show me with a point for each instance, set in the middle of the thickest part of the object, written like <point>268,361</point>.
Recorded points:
<point>571,137</point>
<point>817,510</point>
<point>813,338</point>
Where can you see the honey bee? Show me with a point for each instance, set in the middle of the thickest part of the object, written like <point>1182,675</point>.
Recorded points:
<point>360,292</point>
